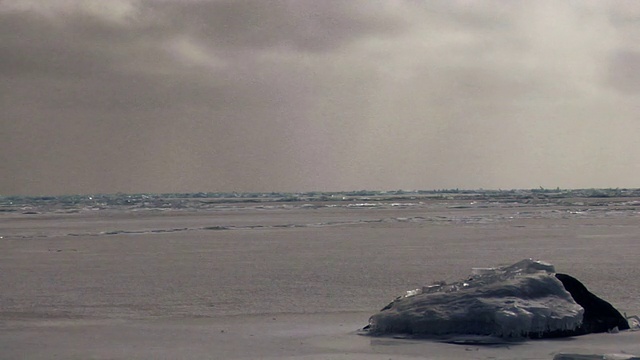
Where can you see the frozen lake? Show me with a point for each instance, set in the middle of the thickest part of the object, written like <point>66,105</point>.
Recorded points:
<point>289,279</point>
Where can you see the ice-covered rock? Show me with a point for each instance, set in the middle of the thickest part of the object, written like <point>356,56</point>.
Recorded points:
<point>563,356</point>
<point>526,299</point>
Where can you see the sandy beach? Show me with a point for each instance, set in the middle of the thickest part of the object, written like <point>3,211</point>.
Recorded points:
<point>289,281</point>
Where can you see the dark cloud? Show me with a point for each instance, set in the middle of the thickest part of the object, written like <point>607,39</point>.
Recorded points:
<point>302,95</point>
<point>302,25</point>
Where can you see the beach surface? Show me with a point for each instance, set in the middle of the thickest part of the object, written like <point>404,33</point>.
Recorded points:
<point>291,281</point>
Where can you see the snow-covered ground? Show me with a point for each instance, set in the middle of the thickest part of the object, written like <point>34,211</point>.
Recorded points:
<point>288,282</point>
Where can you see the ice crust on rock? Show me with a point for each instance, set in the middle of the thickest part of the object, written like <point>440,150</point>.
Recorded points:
<point>563,356</point>
<point>521,300</point>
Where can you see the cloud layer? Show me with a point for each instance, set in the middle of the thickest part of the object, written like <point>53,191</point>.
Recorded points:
<point>253,95</point>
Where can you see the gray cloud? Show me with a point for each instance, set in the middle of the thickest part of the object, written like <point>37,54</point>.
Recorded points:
<point>282,24</point>
<point>258,95</point>
<point>624,71</point>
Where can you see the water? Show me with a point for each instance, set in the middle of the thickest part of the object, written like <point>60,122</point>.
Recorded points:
<point>209,201</point>
<point>461,207</point>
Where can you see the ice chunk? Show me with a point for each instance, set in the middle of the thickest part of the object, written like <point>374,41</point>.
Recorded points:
<point>521,300</point>
<point>595,357</point>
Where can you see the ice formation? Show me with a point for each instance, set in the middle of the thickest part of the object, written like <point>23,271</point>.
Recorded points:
<point>563,356</point>
<point>526,299</point>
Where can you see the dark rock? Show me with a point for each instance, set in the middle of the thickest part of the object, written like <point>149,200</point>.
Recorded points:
<point>599,316</point>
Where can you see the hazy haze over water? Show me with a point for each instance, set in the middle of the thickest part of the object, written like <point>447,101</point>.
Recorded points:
<point>253,95</point>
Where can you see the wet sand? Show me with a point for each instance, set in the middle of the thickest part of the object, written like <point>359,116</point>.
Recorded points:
<point>286,282</point>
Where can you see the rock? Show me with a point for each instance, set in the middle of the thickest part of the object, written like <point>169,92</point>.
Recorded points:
<point>524,300</point>
<point>599,316</point>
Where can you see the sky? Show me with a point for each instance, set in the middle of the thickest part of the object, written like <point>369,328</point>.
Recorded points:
<point>303,95</point>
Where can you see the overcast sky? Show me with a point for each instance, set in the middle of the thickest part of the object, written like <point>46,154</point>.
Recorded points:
<point>266,95</point>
